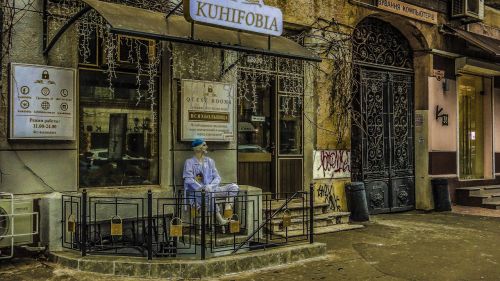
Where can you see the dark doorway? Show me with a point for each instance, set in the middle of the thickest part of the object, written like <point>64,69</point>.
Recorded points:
<point>270,124</point>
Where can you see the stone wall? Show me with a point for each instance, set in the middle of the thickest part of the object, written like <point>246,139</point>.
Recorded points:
<point>36,166</point>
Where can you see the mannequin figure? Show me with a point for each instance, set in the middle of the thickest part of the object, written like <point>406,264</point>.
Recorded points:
<point>200,173</point>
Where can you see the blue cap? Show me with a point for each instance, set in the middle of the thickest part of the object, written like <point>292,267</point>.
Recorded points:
<point>197,142</point>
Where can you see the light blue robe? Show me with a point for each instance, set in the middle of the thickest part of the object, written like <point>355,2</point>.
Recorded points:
<point>204,175</point>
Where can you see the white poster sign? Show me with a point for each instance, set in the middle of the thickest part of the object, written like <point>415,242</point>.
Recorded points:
<point>42,102</point>
<point>208,110</point>
<point>249,15</point>
<point>332,164</point>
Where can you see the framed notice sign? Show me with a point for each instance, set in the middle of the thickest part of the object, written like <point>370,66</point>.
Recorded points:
<point>42,102</point>
<point>207,110</point>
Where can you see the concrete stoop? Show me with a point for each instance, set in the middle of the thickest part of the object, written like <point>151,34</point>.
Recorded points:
<point>479,196</point>
<point>325,220</point>
<point>178,269</point>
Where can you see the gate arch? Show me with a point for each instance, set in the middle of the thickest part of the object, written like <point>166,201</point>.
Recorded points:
<point>382,127</point>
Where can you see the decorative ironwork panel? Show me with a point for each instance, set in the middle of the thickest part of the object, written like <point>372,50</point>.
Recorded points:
<point>402,124</point>
<point>383,139</point>
<point>374,141</point>
<point>378,42</point>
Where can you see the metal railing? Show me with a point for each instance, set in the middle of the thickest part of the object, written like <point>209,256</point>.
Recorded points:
<point>184,226</point>
<point>27,224</point>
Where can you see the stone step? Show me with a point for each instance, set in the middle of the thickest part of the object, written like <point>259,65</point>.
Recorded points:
<point>321,220</point>
<point>275,205</point>
<point>492,199</point>
<point>479,196</point>
<point>490,191</point>
<point>325,216</point>
<point>480,190</point>
<point>222,239</point>
<point>185,267</point>
<point>299,209</point>
<point>321,230</point>
<point>495,206</point>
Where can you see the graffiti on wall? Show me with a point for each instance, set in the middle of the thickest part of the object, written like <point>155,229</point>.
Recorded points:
<point>325,193</point>
<point>332,164</point>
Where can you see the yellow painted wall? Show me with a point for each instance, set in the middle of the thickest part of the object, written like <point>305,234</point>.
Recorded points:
<point>492,17</point>
<point>331,191</point>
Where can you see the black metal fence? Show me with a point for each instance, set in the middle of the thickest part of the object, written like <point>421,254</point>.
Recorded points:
<point>184,226</point>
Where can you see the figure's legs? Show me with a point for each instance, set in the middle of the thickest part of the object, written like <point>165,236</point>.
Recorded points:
<point>229,192</point>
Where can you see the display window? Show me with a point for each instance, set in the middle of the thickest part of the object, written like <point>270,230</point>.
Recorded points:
<point>118,107</point>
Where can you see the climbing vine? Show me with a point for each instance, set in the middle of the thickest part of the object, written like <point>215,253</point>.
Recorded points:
<point>327,38</point>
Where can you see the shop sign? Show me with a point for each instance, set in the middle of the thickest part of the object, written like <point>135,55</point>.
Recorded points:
<point>207,110</point>
<point>258,118</point>
<point>248,15</point>
<point>408,10</point>
<point>42,102</point>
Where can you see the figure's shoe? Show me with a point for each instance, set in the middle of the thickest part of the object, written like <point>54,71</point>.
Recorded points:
<point>220,219</point>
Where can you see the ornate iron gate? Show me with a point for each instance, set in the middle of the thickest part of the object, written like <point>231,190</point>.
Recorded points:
<point>382,132</point>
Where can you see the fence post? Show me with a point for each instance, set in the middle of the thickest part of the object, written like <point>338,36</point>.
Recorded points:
<point>311,213</point>
<point>83,244</point>
<point>203,222</point>
<point>150,225</point>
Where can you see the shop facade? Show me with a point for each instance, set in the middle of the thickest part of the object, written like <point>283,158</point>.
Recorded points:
<point>422,101</point>
<point>137,94</point>
<point>409,58</point>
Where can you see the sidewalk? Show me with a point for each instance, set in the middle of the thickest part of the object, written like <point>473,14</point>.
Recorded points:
<point>406,246</point>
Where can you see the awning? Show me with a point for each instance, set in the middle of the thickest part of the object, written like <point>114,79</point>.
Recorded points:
<point>479,67</point>
<point>133,21</point>
<point>487,44</point>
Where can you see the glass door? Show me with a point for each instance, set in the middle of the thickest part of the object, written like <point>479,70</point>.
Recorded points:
<point>256,139</point>
<point>270,124</point>
<point>471,127</point>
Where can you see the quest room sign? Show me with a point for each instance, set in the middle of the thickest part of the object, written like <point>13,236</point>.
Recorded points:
<point>208,110</point>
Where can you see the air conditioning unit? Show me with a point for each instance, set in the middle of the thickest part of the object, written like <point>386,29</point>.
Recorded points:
<point>16,221</point>
<point>468,10</point>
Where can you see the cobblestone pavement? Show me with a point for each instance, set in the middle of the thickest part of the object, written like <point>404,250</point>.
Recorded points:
<point>407,246</point>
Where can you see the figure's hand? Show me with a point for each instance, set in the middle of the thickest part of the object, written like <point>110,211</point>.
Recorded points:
<point>209,187</point>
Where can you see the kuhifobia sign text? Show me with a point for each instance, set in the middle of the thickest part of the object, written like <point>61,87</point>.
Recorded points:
<point>248,15</point>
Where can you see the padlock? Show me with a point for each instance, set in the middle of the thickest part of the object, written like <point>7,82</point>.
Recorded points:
<point>45,75</point>
<point>116,226</point>
<point>194,212</point>
<point>71,224</point>
<point>176,229</point>
<point>287,218</point>
<point>234,224</point>
<point>228,213</point>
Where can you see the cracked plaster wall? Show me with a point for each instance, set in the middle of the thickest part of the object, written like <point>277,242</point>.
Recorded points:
<point>36,166</point>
